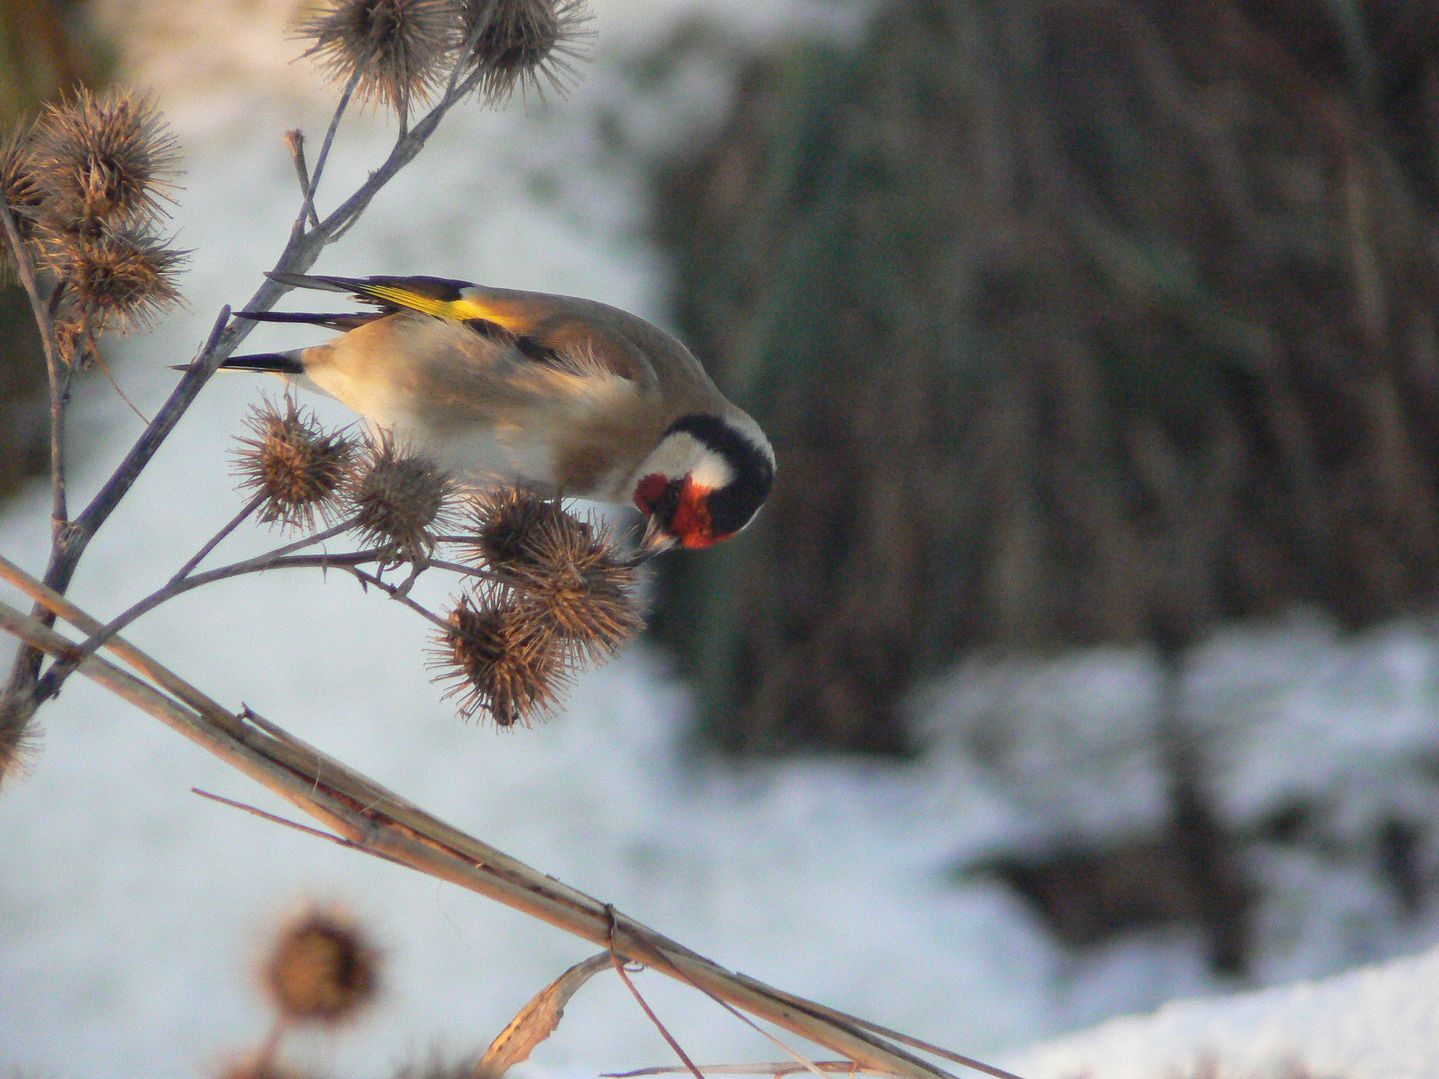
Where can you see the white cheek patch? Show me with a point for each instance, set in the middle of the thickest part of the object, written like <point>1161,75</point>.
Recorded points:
<point>681,454</point>
<point>712,472</point>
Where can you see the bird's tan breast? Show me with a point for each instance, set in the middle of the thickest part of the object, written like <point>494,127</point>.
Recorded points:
<point>496,415</point>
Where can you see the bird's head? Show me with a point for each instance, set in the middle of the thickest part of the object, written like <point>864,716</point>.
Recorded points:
<point>704,481</point>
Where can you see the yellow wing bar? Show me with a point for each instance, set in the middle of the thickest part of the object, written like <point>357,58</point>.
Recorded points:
<point>459,310</point>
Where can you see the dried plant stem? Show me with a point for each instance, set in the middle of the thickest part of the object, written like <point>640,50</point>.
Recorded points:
<point>70,542</point>
<point>462,569</point>
<point>214,541</point>
<point>330,133</point>
<point>178,585</point>
<point>295,141</point>
<point>380,822</point>
<point>669,1038</point>
<point>275,818</point>
<point>399,593</point>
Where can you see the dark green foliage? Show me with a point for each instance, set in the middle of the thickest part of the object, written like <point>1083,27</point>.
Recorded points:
<point>1070,323</point>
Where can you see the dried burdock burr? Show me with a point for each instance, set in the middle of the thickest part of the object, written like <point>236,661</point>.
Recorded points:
<point>321,969</point>
<point>102,161</point>
<point>116,279</point>
<point>399,499</point>
<point>20,194</point>
<point>257,1066</point>
<point>294,463</point>
<point>562,566</point>
<point>522,42</point>
<point>395,50</point>
<point>501,657</point>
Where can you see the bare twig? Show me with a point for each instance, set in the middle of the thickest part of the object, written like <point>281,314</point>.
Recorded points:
<point>219,537</point>
<point>284,822</point>
<point>181,583</point>
<point>332,130</point>
<point>295,141</point>
<point>26,665</point>
<point>674,1044</point>
<point>399,593</point>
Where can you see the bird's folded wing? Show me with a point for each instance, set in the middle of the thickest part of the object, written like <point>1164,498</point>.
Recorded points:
<point>573,345</point>
<point>437,296</point>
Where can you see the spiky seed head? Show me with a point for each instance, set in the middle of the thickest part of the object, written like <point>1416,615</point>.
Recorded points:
<point>502,658</point>
<point>103,160</point>
<point>115,279</point>
<point>395,50</point>
<point>562,565</point>
<point>257,1066</point>
<point>20,192</point>
<point>399,499</point>
<point>299,467</point>
<point>523,42</point>
<point>439,1065</point>
<point>321,969</point>
<point>19,735</point>
<point>502,525</point>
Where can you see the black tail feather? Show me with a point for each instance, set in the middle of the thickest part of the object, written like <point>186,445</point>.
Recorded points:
<point>343,320</point>
<point>277,362</point>
<point>315,281</point>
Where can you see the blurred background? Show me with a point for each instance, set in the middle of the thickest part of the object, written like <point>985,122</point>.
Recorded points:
<point>1085,655</point>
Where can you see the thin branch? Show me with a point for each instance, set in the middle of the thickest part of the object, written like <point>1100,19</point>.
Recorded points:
<point>214,541</point>
<point>619,966</point>
<point>799,1058</point>
<point>399,593</point>
<point>54,678</point>
<point>403,152</point>
<point>462,569</point>
<point>333,129</point>
<point>285,822</point>
<point>222,339</point>
<point>99,361</point>
<point>295,141</point>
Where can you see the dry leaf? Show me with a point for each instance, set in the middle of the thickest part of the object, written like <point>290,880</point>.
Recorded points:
<point>537,1020</point>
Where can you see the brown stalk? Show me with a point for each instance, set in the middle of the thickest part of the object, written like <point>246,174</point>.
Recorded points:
<point>382,823</point>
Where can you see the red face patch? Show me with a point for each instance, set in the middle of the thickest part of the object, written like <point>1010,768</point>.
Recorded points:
<point>691,522</point>
<point>648,491</point>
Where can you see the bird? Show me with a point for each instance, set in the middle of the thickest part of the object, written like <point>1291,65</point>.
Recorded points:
<point>565,396</point>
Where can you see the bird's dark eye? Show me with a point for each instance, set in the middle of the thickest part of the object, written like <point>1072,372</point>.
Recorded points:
<point>658,496</point>
<point>648,492</point>
<point>668,501</point>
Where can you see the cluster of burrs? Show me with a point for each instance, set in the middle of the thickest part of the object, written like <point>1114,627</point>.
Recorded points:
<point>398,52</point>
<point>84,188</point>
<point>545,591</point>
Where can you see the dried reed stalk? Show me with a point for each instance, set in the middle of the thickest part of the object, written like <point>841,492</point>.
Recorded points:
<point>382,823</point>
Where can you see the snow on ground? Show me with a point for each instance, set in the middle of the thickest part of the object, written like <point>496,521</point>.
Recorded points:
<point>1372,1023</point>
<point>131,912</point>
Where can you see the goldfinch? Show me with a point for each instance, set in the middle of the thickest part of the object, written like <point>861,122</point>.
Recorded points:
<point>562,395</point>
